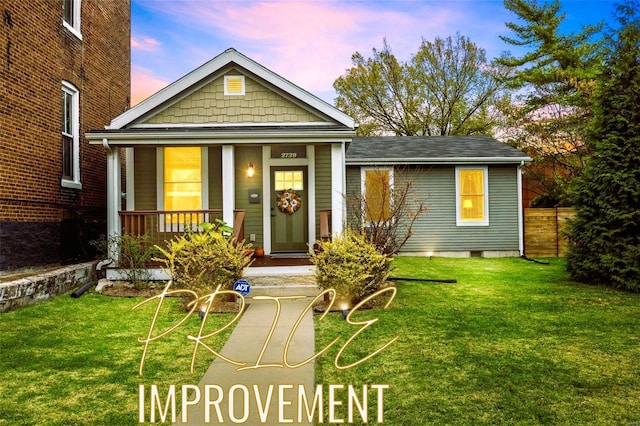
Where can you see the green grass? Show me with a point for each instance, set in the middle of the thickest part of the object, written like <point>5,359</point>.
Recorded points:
<point>513,342</point>
<point>75,361</point>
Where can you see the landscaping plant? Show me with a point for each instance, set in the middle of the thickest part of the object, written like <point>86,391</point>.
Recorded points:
<point>604,237</point>
<point>135,251</point>
<point>352,266</point>
<point>200,261</point>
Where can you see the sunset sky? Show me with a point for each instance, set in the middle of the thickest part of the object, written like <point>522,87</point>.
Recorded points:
<point>311,42</point>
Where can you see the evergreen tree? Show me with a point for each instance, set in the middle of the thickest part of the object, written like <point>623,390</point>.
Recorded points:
<point>557,75</point>
<point>604,237</point>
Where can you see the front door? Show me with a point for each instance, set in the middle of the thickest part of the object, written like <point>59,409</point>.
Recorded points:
<point>289,231</point>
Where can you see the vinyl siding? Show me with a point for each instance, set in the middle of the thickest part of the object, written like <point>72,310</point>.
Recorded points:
<point>215,177</point>
<point>253,220</point>
<point>144,181</point>
<point>436,229</point>
<point>323,182</point>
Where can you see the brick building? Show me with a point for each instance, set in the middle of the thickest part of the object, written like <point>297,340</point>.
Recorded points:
<point>64,69</point>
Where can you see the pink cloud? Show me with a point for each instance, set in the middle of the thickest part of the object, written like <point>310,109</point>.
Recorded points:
<point>147,44</point>
<point>311,43</point>
<point>144,84</point>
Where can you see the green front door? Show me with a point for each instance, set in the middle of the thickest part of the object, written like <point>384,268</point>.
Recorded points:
<point>289,231</point>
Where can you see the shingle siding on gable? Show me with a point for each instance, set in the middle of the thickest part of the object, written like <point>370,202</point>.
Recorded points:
<point>208,105</point>
<point>436,229</point>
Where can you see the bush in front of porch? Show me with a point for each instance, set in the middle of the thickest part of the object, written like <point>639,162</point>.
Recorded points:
<point>352,266</point>
<point>202,261</point>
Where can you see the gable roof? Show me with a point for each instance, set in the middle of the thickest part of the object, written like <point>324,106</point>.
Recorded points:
<point>431,150</point>
<point>202,73</point>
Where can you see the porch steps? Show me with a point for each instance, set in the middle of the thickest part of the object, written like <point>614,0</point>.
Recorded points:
<point>282,281</point>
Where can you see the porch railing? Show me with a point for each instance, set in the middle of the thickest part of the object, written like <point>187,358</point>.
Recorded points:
<point>164,225</point>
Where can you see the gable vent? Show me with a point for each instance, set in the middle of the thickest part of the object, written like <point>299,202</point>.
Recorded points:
<point>234,85</point>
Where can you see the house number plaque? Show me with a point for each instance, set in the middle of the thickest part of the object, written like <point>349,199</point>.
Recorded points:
<point>296,151</point>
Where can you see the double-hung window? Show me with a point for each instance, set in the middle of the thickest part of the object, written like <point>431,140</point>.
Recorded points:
<point>377,193</point>
<point>70,136</point>
<point>71,16</point>
<point>182,184</point>
<point>472,196</point>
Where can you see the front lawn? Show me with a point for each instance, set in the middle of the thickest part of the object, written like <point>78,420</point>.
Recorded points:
<point>513,342</point>
<point>75,361</point>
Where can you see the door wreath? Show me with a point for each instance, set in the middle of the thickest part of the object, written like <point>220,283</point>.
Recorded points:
<point>289,201</point>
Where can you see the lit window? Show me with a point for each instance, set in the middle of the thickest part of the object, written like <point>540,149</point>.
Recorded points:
<point>290,179</point>
<point>234,85</point>
<point>182,180</point>
<point>377,192</point>
<point>71,16</point>
<point>70,136</point>
<point>471,192</point>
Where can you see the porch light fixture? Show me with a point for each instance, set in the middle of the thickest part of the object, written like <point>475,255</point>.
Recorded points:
<point>251,171</point>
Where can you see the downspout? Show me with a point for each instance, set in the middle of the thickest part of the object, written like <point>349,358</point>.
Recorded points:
<point>520,211</point>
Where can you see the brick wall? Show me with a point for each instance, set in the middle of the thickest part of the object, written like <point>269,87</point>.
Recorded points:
<point>37,53</point>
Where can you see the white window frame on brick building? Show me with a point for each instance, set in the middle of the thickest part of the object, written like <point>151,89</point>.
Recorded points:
<point>70,129</point>
<point>71,16</point>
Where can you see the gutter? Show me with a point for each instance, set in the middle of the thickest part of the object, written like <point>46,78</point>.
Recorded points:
<point>436,160</point>
<point>218,137</point>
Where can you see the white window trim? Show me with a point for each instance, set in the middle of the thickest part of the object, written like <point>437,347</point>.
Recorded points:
<point>75,110</point>
<point>227,93</point>
<point>204,153</point>
<point>75,28</point>
<point>363,187</point>
<point>485,181</point>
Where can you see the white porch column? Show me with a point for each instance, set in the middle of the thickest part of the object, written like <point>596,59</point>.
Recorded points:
<point>228,184</point>
<point>338,185</point>
<point>114,192</point>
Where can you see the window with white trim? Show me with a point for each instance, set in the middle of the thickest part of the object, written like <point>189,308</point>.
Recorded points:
<point>182,180</point>
<point>71,16</point>
<point>70,136</point>
<point>472,196</point>
<point>377,193</point>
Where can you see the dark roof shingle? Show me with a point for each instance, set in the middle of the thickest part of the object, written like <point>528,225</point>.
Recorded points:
<point>431,149</point>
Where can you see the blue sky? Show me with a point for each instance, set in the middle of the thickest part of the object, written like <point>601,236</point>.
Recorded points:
<point>310,42</point>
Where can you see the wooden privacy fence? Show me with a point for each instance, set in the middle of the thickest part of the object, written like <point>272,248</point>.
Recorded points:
<point>543,231</point>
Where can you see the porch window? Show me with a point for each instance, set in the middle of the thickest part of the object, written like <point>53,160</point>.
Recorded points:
<point>377,192</point>
<point>472,196</point>
<point>182,180</point>
<point>70,126</point>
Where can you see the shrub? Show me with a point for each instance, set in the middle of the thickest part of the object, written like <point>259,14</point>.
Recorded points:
<point>200,261</point>
<point>135,251</point>
<point>352,266</point>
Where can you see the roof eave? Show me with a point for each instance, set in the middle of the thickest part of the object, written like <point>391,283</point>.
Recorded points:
<point>168,137</point>
<point>440,161</point>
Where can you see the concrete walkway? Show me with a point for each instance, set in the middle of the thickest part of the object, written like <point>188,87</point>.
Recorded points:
<point>245,344</point>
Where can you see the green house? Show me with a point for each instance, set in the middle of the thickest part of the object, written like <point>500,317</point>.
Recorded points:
<point>232,140</point>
